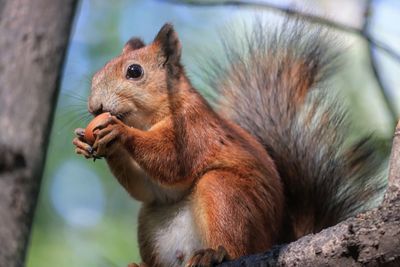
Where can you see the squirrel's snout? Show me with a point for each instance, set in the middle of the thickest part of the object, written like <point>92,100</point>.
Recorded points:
<point>95,105</point>
<point>100,102</point>
<point>96,110</point>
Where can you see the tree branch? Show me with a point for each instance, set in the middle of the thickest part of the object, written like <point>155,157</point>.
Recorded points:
<point>394,169</point>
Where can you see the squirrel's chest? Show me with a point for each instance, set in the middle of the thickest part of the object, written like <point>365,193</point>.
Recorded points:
<point>168,235</point>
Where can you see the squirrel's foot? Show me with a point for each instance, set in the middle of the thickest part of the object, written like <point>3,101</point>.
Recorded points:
<point>109,132</point>
<point>137,265</point>
<point>208,257</point>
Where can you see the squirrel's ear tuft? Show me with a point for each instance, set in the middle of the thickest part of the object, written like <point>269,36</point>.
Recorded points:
<point>133,44</point>
<point>168,42</point>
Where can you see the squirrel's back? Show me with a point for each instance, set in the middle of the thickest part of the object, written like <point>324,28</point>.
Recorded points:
<point>271,83</point>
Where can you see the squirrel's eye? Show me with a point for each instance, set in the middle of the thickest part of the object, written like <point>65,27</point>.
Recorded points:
<point>134,71</point>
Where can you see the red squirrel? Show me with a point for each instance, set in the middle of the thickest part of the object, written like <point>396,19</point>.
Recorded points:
<point>269,166</point>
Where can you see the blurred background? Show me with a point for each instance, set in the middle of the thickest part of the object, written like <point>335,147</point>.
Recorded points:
<point>84,217</point>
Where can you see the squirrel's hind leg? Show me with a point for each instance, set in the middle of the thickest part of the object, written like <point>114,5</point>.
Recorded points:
<point>233,216</point>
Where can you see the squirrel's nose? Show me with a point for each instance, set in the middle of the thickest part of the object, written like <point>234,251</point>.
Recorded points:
<point>96,109</point>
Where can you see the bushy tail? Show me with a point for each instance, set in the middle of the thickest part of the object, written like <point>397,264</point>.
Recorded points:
<point>272,84</point>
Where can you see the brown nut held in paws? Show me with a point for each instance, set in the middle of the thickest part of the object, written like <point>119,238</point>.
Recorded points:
<point>89,134</point>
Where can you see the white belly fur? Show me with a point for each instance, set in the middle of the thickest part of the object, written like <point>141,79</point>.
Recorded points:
<point>170,231</point>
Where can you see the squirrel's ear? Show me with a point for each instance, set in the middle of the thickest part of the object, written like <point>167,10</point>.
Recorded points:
<point>168,42</point>
<point>133,44</point>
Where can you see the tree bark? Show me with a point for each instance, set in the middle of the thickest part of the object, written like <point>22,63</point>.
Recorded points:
<point>371,238</point>
<point>34,37</point>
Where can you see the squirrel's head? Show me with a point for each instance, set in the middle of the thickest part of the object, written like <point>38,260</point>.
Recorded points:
<point>134,85</point>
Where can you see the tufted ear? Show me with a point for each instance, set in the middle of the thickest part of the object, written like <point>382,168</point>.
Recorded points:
<point>133,44</point>
<point>168,42</point>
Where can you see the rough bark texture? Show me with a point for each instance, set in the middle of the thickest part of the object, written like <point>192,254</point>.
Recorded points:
<point>394,170</point>
<point>371,238</point>
<point>34,36</point>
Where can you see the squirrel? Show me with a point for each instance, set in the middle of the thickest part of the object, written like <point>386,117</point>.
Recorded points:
<point>270,164</point>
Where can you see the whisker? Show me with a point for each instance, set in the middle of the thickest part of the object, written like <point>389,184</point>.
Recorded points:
<point>76,97</point>
<point>69,124</point>
<point>70,113</point>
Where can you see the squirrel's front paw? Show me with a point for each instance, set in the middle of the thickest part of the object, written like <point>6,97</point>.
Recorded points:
<point>108,134</point>
<point>81,147</point>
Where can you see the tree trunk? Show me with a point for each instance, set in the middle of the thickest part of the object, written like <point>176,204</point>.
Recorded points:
<point>34,37</point>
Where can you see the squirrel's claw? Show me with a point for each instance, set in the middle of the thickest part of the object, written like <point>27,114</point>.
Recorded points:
<point>82,148</point>
<point>82,152</point>
<point>79,132</point>
<point>208,257</point>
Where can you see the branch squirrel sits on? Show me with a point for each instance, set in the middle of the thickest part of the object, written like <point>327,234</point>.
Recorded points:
<point>272,164</point>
